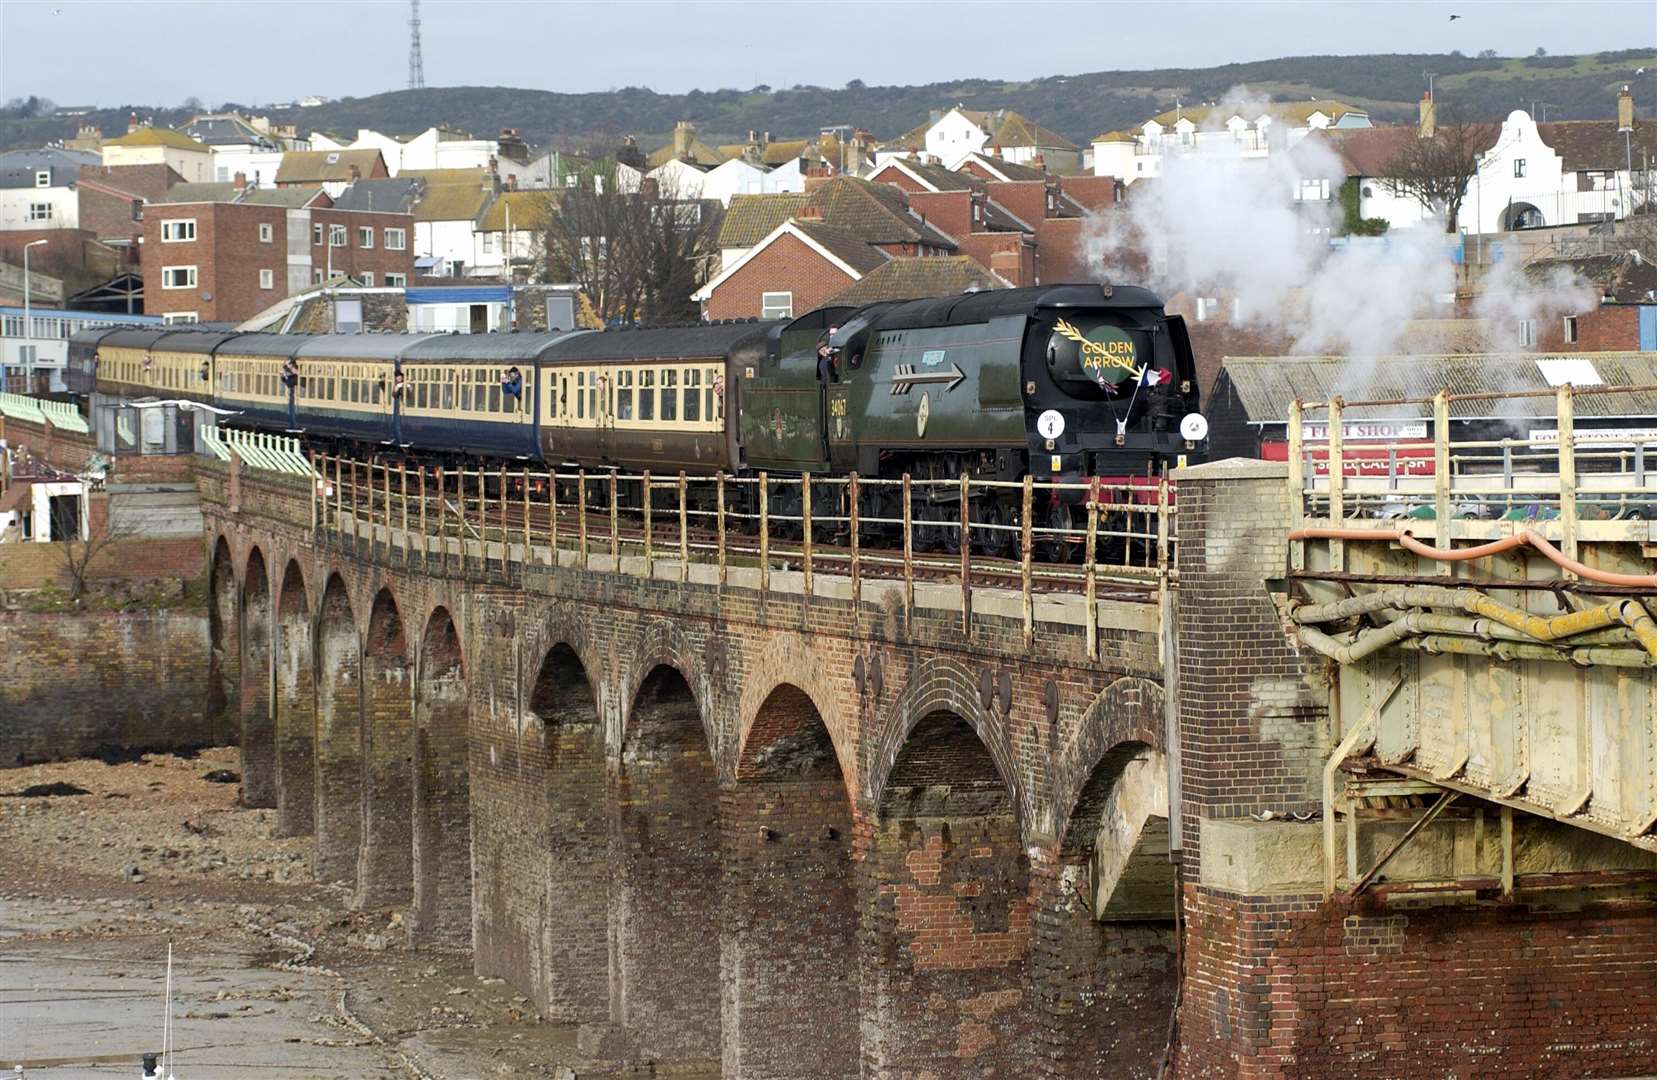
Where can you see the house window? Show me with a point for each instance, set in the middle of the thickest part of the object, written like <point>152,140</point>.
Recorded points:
<point>365,236</point>
<point>396,281</point>
<point>1570,330</point>
<point>336,236</point>
<point>43,178</point>
<point>179,317</point>
<point>1527,331</point>
<point>488,243</point>
<point>776,305</point>
<point>394,240</point>
<point>267,232</point>
<point>179,231</point>
<point>1206,306</point>
<point>40,211</point>
<point>367,279</point>
<point>267,279</point>
<point>178,277</point>
<point>1518,167</point>
<point>316,275</point>
<point>316,234</point>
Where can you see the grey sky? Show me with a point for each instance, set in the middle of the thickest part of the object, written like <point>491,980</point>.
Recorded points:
<point>111,52</point>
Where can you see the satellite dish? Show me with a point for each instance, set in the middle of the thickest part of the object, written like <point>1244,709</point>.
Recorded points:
<point>1194,428</point>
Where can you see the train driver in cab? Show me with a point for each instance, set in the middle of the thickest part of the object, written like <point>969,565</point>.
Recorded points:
<point>826,372</point>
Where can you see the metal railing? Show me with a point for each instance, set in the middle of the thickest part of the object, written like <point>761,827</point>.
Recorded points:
<point>60,414</point>
<point>273,453</point>
<point>964,533</point>
<point>1564,482</point>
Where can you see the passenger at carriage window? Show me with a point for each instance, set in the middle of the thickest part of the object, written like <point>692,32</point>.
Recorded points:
<point>290,373</point>
<point>512,385</point>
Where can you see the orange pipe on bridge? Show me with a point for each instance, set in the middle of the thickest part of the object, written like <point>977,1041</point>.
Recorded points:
<point>1495,547</point>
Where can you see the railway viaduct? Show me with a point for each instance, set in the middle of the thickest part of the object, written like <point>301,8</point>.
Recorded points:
<point>718,820</point>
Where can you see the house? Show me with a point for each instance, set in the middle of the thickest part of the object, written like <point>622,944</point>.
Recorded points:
<point>1625,319</point>
<point>438,147</point>
<point>679,179</point>
<point>843,229</point>
<point>949,136</point>
<point>685,147</point>
<point>509,234</point>
<point>555,169</point>
<point>38,188</point>
<point>447,218</point>
<point>912,278</point>
<point>1533,175</point>
<point>751,218</point>
<point>218,252</point>
<point>1251,131</point>
<point>252,147</point>
<point>331,170</point>
<point>145,145</point>
<point>793,269</point>
<point>960,204</point>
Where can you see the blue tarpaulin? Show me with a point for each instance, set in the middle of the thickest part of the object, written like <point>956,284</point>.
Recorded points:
<point>460,294</point>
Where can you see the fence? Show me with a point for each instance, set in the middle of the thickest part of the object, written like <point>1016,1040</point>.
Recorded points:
<point>60,414</point>
<point>273,453</point>
<point>1560,485</point>
<point>970,533</point>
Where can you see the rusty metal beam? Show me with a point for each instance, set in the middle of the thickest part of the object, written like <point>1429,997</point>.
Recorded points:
<point>1398,845</point>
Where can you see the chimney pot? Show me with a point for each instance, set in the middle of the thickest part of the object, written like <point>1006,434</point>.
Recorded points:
<point>1427,124</point>
<point>241,181</point>
<point>356,173</point>
<point>1625,110</point>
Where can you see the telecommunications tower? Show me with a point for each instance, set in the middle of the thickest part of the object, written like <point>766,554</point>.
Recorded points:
<point>416,70</point>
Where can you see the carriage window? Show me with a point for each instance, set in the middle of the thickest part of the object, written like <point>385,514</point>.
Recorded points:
<point>495,398</point>
<point>377,388</point>
<point>420,395</point>
<point>693,394</point>
<point>552,397</point>
<point>647,395</point>
<point>624,395</point>
<point>670,394</point>
<point>581,395</point>
<point>592,397</point>
<point>465,395</point>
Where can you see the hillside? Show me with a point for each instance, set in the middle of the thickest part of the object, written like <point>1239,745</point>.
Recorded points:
<point>1078,106</point>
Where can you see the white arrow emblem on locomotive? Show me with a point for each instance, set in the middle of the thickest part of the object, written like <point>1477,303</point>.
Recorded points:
<point>906,378</point>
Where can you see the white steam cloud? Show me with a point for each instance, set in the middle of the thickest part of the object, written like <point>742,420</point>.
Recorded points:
<point>1224,222</point>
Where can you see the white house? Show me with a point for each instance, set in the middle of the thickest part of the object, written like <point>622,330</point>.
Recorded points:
<point>38,188</point>
<point>677,179</point>
<point>252,146</point>
<point>1532,176</point>
<point>739,177</point>
<point>446,222</point>
<point>434,148</point>
<point>1254,130</point>
<point>43,510</point>
<point>950,136</point>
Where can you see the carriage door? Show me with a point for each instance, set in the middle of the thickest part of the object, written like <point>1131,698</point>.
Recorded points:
<point>601,395</point>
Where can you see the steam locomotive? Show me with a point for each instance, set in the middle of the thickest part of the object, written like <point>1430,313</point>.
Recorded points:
<point>1065,382</point>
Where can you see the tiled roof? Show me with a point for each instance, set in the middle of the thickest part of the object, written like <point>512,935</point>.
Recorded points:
<point>944,179</point>
<point>321,166</point>
<point>879,213</point>
<point>18,167</point>
<point>1016,130</point>
<point>476,177</point>
<point>913,139</point>
<point>1114,136</point>
<point>209,192</point>
<point>225,129</point>
<point>913,278</point>
<point>1621,277</point>
<point>751,218</point>
<point>396,194</point>
<point>452,202</point>
<point>846,246</point>
<point>154,136</point>
<point>1007,168</point>
<point>1597,144</point>
<point>294,198</point>
<point>527,210</point>
<point>1367,151</point>
<point>700,153</point>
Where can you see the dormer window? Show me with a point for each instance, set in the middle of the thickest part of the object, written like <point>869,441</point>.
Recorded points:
<point>43,178</point>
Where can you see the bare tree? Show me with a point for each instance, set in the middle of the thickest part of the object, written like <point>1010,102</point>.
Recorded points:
<point>1435,171</point>
<point>76,552</point>
<point>637,254</point>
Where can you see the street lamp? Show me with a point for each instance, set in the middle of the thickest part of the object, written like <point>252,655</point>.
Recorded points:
<point>28,324</point>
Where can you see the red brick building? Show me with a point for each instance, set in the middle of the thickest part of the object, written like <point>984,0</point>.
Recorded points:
<point>796,268</point>
<point>225,252</point>
<point>1625,319</point>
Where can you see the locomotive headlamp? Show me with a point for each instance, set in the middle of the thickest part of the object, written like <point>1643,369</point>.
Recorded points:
<point>1185,386</point>
<point>1030,388</point>
<point>1049,444</point>
<point>1105,291</point>
<point>1121,439</point>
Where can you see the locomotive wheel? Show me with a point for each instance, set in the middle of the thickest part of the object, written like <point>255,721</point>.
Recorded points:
<point>785,503</point>
<point>1055,548</point>
<point>995,542</point>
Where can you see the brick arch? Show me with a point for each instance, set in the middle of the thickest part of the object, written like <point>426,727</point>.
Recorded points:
<point>662,644</point>
<point>258,739</point>
<point>1128,712</point>
<point>441,809</point>
<point>339,751</point>
<point>384,866</point>
<point>556,627</point>
<point>943,684</point>
<point>785,661</point>
<point>295,704</point>
<point>224,688</point>
<point>254,548</point>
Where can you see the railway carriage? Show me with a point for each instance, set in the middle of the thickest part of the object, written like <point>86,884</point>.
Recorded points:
<point>453,398</point>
